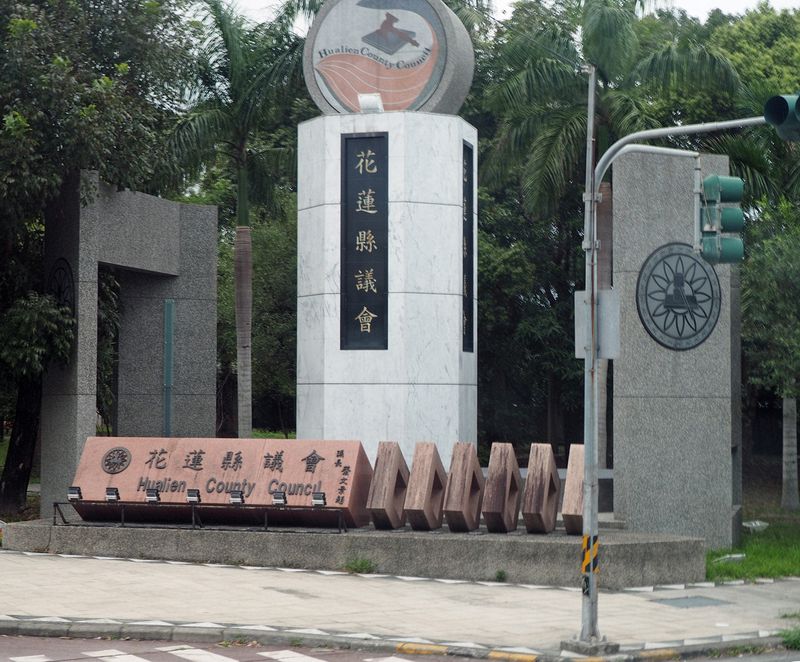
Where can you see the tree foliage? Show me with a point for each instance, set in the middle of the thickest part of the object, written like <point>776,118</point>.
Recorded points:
<point>34,331</point>
<point>243,70</point>
<point>771,323</point>
<point>83,85</point>
<point>770,307</point>
<point>763,45</point>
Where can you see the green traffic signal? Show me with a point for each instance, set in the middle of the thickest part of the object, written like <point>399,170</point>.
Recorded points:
<point>721,188</point>
<point>783,113</point>
<point>716,219</point>
<point>721,250</point>
<point>731,219</point>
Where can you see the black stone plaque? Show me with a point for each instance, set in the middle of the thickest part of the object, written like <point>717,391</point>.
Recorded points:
<point>468,322</point>
<point>678,297</point>
<point>365,234</point>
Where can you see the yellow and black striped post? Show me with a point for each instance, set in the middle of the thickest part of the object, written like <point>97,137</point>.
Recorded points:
<point>591,547</point>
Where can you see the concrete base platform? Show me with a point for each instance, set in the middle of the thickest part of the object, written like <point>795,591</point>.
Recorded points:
<point>626,559</point>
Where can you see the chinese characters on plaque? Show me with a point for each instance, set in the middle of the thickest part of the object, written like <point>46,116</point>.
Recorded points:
<point>468,322</point>
<point>216,468</point>
<point>365,231</point>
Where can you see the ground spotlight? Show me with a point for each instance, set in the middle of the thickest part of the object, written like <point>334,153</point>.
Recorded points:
<point>74,493</point>
<point>318,499</point>
<point>112,494</point>
<point>151,495</point>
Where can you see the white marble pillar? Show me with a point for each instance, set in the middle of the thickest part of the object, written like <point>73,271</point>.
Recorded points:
<point>423,387</point>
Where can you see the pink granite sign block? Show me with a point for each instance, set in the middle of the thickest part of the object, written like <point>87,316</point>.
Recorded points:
<point>217,467</point>
<point>426,484</point>
<point>542,489</point>
<point>503,490</point>
<point>463,496</point>
<point>387,493</point>
<point>572,507</point>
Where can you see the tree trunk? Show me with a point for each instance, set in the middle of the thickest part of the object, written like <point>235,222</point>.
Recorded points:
<point>789,495</point>
<point>243,283</point>
<point>243,286</point>
<point>21,448</point>
<point>555,416</point>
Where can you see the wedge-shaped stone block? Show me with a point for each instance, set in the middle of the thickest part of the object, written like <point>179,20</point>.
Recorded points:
<point>572,507</point>
<point>464,494</point>
<point>387,493</point>
<point>542,488</point>
<point>503,490</point>
<point>425,494</point>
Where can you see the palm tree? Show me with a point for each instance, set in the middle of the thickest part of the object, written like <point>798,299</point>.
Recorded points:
<point>243,69</point>
<point>542,100</point>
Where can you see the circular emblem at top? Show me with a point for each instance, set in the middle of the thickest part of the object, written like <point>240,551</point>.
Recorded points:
<point>416,54</point>
<point>116,460</point>
<point>678,297</point>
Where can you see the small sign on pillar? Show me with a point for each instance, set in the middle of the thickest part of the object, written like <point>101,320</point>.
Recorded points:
<point>468,249</point>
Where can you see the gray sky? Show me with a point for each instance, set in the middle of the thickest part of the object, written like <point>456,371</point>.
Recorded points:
<point>259,9</point>
<point>700,8</point>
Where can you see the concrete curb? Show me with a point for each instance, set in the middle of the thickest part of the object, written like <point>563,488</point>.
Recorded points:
<point>57,627</point>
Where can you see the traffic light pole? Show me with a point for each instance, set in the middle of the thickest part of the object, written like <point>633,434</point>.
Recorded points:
<point>590,634</point>
<point>589,631</point>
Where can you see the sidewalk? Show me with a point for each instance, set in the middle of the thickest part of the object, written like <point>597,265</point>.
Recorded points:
<point>57,595</point>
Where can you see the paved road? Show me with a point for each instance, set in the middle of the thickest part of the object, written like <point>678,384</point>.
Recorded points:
<point>767,656</point>
<point>39,649</point>
<point>42,649</point>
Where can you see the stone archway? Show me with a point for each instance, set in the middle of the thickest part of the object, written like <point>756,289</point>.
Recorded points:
<point>167,256</point>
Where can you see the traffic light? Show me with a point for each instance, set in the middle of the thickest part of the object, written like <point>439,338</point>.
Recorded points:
<point>716,219</point>
<point>783,113</point>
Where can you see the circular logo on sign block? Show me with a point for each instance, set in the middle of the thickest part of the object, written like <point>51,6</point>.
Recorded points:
<point>415,54</point>
<point>678,297</point>
<point>116,460</point>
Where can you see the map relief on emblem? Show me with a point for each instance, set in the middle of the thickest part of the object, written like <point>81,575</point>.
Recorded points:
<point>389,47</point>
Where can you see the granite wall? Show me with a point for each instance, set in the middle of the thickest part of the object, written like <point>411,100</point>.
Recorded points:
<point>677,414</point>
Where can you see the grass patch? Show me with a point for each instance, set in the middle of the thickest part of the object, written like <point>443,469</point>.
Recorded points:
<point>259,433</point>
<point>360,566</point>
<point>501,576</point>
<point>791,638</point>
<point>774,552</point>
<point>29,512</point>
<point>738,651</point>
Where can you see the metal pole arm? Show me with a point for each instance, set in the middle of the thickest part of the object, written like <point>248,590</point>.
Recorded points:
<point>665,132</point>
<point>646,149</point>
